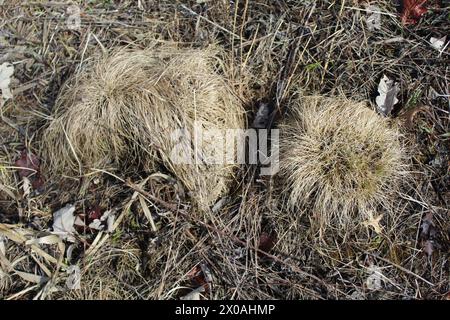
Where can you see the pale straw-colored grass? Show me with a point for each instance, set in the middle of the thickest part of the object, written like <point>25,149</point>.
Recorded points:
<point>340,160</point>
<point>130,109</point>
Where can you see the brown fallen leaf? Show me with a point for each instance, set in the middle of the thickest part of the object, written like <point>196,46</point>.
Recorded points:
<point>94,212</point>
<point>200,276</point>
<point>428,232</point>
<point>29,167</point>
<point>267,241</point>
<point>28,164</point>
<point>409,115</point>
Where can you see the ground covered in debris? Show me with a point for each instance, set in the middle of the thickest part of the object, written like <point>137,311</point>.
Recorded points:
<point>130,235</point>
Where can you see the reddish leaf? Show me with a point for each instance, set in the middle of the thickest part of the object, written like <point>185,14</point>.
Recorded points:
<point>200,276</point>
<point>412,10</point>
<point>94,213</point>
<point>427,228</point>
<point>267,241</point>
<point>28,163</point>
<point>37,182</point>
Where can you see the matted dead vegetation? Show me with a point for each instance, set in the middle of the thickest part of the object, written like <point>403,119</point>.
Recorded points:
<point>8,184</point>
<point>340,160</point>
<point>7,181</point>
<point>249,247</point>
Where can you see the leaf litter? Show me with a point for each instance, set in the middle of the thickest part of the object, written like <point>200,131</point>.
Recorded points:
<point>388,90</point>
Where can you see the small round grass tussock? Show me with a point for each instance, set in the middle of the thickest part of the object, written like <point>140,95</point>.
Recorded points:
<point>340,160</point>
<point>133,108</point>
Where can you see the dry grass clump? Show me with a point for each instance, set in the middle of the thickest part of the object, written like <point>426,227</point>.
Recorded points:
<point>6,175</point>
<point>340,159</point>
<point>112,274</point>
<point>7,181</point>
<point>131,108</point>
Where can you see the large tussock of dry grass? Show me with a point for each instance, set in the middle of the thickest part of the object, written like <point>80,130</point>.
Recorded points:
<point>123,111</point>
<point>340,160</point>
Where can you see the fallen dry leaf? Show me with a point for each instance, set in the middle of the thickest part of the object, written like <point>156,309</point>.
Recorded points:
<point>388,90</point>
<point>200,275</point>
<point>94,213</point>
<point>373,281</point>
<point>438,43</point>
<point>29,167</point>
<point>412,10</point>
<point>28,163</point>
<point>374,222</point>
<point>6,72</point>
<point>96,224</point>
<point>63,223</point>
<point>194,294</point>
<point>409,115</point>
<point>267,241</point>
<point>373,20</point>
<point>428,233</point>
<point>110,222</point>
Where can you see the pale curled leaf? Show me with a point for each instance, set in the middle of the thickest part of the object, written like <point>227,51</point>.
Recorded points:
<point>97,225</point>
<point>79,222</point>
<point>438,43</point>
<point>373,281</point>
<point>388,90</point>
<point>374,222</point>
<point>110,222</point>
<point>194,294</point>
<point>6,72</point>
<point>63,223</point>
<point>11,233</point>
